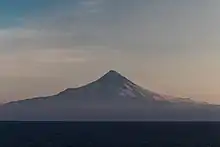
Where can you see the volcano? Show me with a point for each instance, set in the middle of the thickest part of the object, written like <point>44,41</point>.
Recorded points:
<point>112,97</point>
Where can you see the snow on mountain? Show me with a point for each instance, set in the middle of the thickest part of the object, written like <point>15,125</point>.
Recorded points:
<point>111,97</point>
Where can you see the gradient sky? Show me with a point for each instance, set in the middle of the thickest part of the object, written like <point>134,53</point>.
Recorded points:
<point>169,46</point>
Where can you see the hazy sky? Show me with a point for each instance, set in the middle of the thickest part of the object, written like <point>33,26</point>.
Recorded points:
<point>169,46</point>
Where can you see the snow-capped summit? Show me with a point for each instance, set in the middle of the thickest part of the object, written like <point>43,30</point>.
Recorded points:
<point>113,78</point>
<point>113,73</point>
<point>111,86</point>
<point>111,97</point>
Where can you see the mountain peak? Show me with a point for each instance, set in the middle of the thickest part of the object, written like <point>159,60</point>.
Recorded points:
<point>111,78</point>
<point>113,75</point>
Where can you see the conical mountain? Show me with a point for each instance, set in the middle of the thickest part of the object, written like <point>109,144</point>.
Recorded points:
<point>112,85</point>
<point>111,97</point>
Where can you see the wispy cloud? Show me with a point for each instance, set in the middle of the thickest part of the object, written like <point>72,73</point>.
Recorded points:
<point>39,62</point>
<point>168,45</point>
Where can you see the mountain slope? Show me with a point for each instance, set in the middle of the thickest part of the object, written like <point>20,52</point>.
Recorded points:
<point>112,97</point>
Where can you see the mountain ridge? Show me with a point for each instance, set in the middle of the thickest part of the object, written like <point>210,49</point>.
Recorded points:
<point>111,97</point>
<point>115,79</point>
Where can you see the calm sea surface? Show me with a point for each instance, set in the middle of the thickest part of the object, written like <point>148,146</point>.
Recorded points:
<point>109,134</point>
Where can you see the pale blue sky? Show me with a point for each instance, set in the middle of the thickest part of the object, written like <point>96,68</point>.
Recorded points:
<point>170,46</point>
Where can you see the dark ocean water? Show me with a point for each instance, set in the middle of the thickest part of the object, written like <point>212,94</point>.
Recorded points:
<point>109,134</point>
